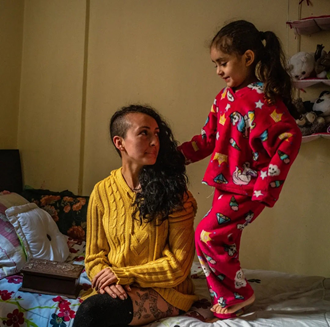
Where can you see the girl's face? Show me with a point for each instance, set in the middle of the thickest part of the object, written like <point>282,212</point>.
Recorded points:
<point>140,146</point>
<point>235,70</point>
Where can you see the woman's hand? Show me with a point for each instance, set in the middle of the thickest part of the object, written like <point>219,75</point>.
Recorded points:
<point>105,282</point>
<point>116,291</point>
<point>104,278</point>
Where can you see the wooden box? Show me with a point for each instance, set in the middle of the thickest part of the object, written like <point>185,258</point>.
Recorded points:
<point>51,277</point>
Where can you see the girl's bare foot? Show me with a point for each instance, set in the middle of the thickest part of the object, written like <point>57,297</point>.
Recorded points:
<point>217,308</point>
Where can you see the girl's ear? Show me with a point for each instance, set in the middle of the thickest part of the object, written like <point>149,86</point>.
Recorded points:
<point>249,57</point>
<point>118,142</point>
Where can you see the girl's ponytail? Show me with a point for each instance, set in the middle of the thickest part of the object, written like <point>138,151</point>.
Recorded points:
<point>272,71</point>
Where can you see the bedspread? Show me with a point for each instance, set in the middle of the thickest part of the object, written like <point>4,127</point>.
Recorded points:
<point>282,300</point>
<point>20,309</point>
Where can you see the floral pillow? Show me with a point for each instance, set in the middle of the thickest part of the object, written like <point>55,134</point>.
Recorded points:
<point>68,210</point>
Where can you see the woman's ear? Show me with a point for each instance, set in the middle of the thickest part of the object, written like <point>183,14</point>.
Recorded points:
<point>249,57</point>
<point>118,142</point>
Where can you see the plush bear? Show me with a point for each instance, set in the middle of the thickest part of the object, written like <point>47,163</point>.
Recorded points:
<point>304,64</point>
<point>309,122</point>
<point>301,65</point>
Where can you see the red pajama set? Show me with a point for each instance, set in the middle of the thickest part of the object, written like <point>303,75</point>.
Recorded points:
<point>252,146</point>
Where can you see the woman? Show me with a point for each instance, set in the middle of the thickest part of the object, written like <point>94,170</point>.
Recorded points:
<point>140,236</point>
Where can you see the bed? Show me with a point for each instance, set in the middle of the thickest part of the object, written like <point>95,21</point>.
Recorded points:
<point>281,299</point>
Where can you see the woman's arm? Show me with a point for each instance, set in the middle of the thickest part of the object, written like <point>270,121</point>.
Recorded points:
<point>97,247</point>
<point>98,267</point>
<point>174,266</point>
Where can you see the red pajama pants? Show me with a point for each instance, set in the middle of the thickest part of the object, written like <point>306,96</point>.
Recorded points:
<point>217,240</point>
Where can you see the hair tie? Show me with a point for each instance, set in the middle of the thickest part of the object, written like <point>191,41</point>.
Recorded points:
<point>262,35</point>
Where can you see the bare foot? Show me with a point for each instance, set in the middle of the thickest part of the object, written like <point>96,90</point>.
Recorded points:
<point>217,308</point>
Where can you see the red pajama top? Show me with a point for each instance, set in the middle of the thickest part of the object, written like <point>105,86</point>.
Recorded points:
<point>252,144</point>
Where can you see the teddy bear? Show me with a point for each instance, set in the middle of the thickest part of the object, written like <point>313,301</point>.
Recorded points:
<point>304,64</point>
<point>309,122</point>
<point>301,65</point>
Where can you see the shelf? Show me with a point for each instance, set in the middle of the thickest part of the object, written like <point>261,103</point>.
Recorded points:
<point>309,138</point>
<point>309,82</point>
<point>310,25</point>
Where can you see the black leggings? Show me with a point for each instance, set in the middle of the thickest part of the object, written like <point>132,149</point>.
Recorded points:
<point>101,310</point>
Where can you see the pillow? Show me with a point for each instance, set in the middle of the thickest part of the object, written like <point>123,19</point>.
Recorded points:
<point>11,199</point>
<point>2,209</point>
<point>12,257</point>
<point>68,210</point>
<point>38,233</point>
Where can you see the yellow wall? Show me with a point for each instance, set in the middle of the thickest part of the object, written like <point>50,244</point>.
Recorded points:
<point>11,37</point>
<point>82,60</point>
<point>49,135</point>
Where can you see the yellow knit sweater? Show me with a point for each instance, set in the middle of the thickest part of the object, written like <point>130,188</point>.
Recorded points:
<point>159,257</point>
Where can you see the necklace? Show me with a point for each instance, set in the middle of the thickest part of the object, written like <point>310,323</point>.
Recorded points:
<point>134,189</point>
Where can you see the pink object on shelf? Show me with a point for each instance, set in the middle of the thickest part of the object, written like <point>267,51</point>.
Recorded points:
<point>301,84</point>
<point>312,137</point>
<point>310,25</point>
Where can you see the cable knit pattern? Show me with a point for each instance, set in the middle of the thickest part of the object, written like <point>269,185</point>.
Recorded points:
<point>152,255</point>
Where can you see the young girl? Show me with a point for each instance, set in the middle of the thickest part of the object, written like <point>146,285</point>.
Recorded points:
<point>253,140</point>
<point>140,234</point>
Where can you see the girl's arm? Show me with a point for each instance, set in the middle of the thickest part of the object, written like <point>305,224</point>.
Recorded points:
<point>201,146</point>
<point>174,266</point>
<point>282,145</point>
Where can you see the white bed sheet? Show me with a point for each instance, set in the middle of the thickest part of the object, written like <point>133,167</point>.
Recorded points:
<point>282,300</point>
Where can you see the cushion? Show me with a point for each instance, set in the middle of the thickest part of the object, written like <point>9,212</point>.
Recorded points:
<point>68,210</point>
<point>11,199</point>
<point>38,233</point>
<point>12,257</point>
<point>2,208</point>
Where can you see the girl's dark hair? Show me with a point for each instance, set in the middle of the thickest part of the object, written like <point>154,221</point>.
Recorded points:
<point>163,184</point>
<point>270,64</point>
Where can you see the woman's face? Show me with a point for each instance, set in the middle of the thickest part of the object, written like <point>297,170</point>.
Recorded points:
<point>140,146</point>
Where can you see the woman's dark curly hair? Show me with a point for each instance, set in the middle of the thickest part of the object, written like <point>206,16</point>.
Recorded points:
<point>270,64</point>
<point>163,184</point>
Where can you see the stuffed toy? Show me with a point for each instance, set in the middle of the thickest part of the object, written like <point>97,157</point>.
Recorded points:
<point>303,106</point>
<point>322,62</point>
<point>322,105</point>
<point>301,65</point>
<point>304,64</point>
<point>310,122</point>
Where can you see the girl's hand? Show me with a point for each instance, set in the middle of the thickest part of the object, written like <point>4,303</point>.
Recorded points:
<point>104,278</point>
